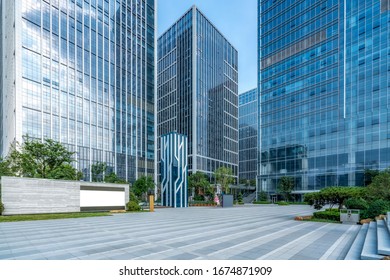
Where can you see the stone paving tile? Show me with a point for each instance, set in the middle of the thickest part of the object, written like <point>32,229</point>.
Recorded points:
<point>191,233</point>
<point>184,256</point>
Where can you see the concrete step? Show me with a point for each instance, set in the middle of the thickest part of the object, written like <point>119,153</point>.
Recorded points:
<point>383,238</point>
<point>387,222</point>
<point>249,198</point>
<point>357,245</point>
<point>370,247</point>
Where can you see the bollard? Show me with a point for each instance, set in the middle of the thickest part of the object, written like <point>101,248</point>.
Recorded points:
<point>151,203</point>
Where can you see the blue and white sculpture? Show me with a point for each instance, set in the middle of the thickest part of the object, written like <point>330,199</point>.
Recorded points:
<point>174,170</point>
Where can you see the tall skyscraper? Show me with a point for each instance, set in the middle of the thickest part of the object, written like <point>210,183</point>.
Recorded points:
<point>324,87</point>
<point>82,73</point>
<point>247,122</point>
<point>197,92</point>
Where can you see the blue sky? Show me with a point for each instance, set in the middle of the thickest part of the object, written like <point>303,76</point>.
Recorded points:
<point>236,19</point>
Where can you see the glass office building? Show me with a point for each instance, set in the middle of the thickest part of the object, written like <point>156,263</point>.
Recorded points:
<point>324,87</point>
<point>197,92</point>
<point>81,72</point>
<point>247,123</point>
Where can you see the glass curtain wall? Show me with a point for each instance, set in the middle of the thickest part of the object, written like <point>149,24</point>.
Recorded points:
<point>323,88</point>
<point>88,80</point>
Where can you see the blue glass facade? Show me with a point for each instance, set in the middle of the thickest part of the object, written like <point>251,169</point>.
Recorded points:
<point>247,122</point>
<point>85,77</point>
<point>197,92</point>
<point>324,87</point>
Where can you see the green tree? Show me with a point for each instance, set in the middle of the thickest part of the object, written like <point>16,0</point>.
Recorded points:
<point>262,196</point>
<point>333,196</point>
<point>5,169</point>
<point>98,171</point>
<point>285,187</point>
<point>199,182</point>
<point>369,175</point>
<point>99,174</point>
<point>65,172</point>
<point>113,178</point>
<point>380,186</point>
<point>42,159</point>
<point>142,185</point>
<point>252,182</point>
<point>224,177</point>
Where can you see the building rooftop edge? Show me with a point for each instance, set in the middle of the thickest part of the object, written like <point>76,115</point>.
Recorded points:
<point>194,7</point>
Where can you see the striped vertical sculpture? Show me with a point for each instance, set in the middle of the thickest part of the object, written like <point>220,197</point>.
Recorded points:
<point>174,170</point>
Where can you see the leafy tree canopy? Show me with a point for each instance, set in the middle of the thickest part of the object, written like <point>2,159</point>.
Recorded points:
<point>224,177</point>
<point>380,186</point>
<point>42,159</point>
<point>5,169</point>
<point>143,185</point>
<point>199,182</point>
<point>285,187</point>
<point>333,196</point>
<point>98,171</point>
<point>369,175</point>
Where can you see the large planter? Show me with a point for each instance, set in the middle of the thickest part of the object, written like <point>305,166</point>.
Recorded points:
<point>227,200</point>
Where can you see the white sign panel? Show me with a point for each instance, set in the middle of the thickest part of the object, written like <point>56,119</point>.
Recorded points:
<point>90,198</point>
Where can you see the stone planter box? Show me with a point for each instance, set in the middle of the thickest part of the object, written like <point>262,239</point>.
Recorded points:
<point>227,200</point>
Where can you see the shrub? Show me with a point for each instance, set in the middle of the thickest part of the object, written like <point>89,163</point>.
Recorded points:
<point>328,214</point>
<point>133,197</point>
<point>133,206</point>
<point>262,196</point>
<point>356,203</point>
<point>1,208</point>
<point>376,208</point>
<point>239,198</point>
<point>199,198</point>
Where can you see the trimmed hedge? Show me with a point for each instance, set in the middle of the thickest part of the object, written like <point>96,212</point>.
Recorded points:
<point>283,203</point>
<point>202,203</point>
<point>328,214</point>
<point>261,202</point>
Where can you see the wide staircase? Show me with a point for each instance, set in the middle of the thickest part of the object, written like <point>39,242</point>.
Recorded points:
<point>372,242</point>
<point>249,198</point>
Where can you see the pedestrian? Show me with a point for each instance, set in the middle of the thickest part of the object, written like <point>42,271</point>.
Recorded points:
<point>216,200</point>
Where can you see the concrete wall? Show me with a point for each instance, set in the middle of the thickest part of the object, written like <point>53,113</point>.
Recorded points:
<point>34,196</point>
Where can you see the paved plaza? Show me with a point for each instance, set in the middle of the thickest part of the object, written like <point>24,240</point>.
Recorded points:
<point>204,233</point>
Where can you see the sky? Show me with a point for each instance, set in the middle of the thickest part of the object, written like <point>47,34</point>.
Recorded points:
<point>235,19</point>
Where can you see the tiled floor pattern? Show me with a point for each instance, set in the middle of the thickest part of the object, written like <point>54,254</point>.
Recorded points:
<point>248,232</point>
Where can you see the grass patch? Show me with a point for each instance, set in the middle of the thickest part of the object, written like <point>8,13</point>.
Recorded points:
<point>37,217</point>
<point>322,221</point>
<point>298,203</point>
